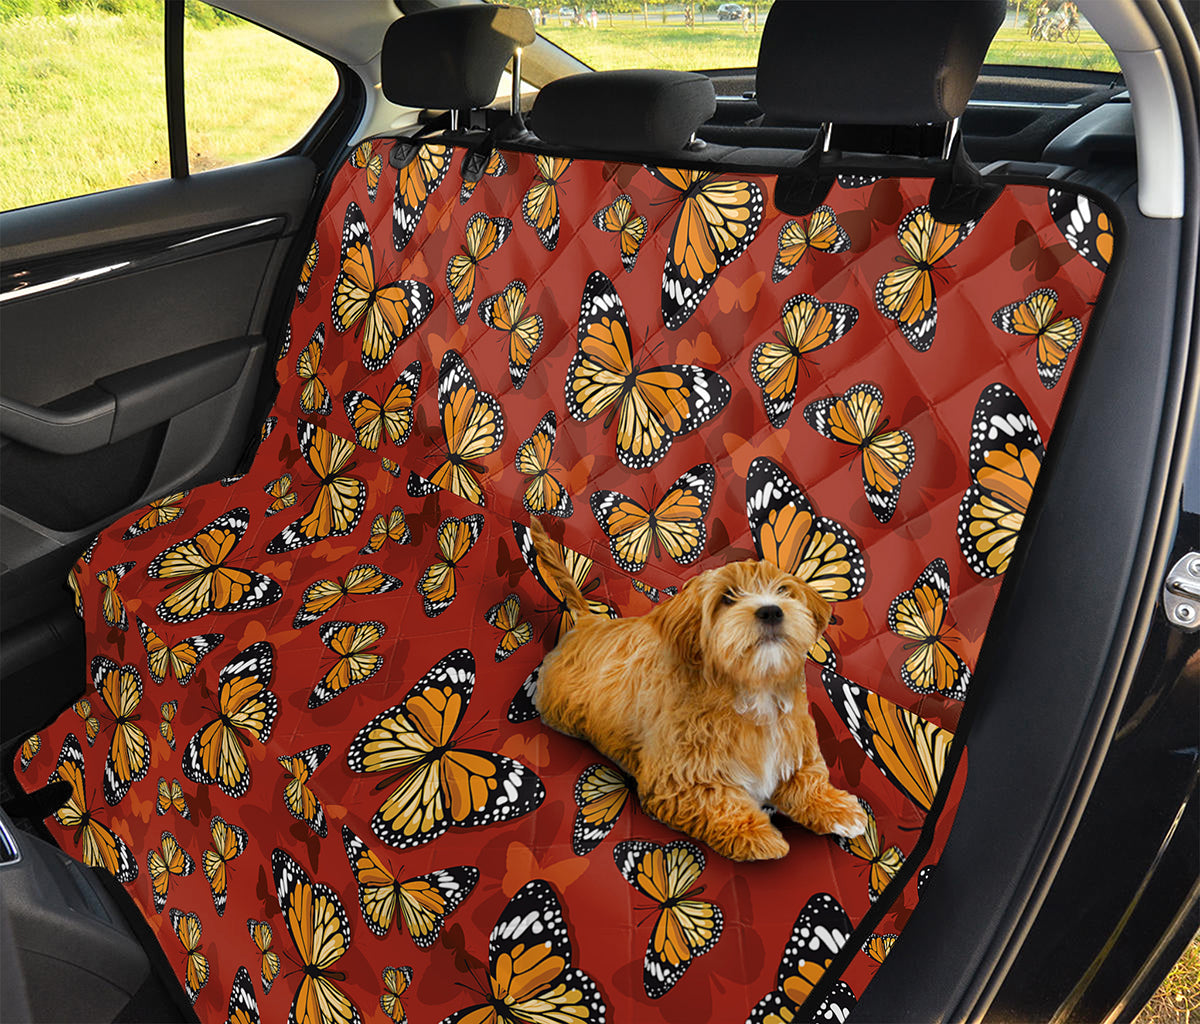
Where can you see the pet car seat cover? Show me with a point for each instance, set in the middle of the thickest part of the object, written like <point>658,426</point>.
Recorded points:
<point>451,58</point>
<point>627,111</point>
<point>873,61</point>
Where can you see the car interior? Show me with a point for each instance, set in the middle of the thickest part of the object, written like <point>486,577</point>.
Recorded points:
<point>918,329</point>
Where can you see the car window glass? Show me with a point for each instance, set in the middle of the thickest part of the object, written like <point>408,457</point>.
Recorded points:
<point>82,108</point>
<point>708,35</point>
<point>249,93</point>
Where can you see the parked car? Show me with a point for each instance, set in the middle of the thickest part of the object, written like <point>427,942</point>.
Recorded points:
<point>730,12</point>
<point>327,518</point>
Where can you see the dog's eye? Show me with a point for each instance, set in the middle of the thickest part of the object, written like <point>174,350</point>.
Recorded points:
<point>727,598</point>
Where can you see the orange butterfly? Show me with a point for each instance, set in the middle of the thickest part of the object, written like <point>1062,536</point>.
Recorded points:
<point>365,159</point>
<point>171,796</point>
<point>484,236</point>
<point>883,863</point>
<point>919,616</point>
<point>111,604</point>
<point>29,750</point>
<point>438,584</point>
<point>819,232</point>
<point>544,493</point>
<point>618,217</point>
<point>166,727</point>
<point>1033,319</point>
<point>228,842</point>
<point>297,797</point>
<point>540,205</point>
<point>391,527</point>
<point>120,688</point>
<point>181,659</point>
<point>601,793</point>
<point>283,497</point>
<point>170,859</point>
<point>420,170</point>
<point>356,660</point>
<point>306,273</point>
<point>372,419</point>
<point>494,168</point>
<point>395,983</point>
<point>325,595</point>
<point>314,395</point>
<point>243,1005</point>
<point>505,312</point>
<point>388,313</point>
<point>99,846</point>
<point>91,724</point>
<point>260,932</point>
<point>188,930</point>
<point>157,513</point>
<point>340,497</point>
<point>506,616</point>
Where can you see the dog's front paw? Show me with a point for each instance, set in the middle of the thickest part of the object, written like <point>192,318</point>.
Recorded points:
<point>844,816</point>
<point>757,842</point>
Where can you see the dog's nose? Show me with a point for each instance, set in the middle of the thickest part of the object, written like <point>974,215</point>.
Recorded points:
<point>769,613</point>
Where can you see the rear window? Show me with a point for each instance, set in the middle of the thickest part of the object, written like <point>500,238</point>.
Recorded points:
<point>709,36</point>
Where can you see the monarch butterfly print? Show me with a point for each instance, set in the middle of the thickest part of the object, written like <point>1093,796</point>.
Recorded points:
<point>158,513</point>
<point>505,312</point>
<point>340,498</point>
<point>188,930</point>
<point>228,842</point>
<point>808,326</point>
<point>298,798</point>
<point>494,168</point>
<point>420,170</point>
<point>887,455</point>
<point>320,932</point>
<point>91,724</point>
<point>484,236</point>
<point>618,218</point>
<point>385,314</point>
<point>181,659</point>
<point>246,710</point>
<point>73,578</point>
<point>207,584</point>
<point>391,417</point>
<point>877,947</point>
<point>883,863</point>
<point>243,1004</point>
<point>120,689</point>
<point>653,593</point>
<point>314,395</point>
<point>919,616</point>
<point>540,205</point>
<point>819,232</point>
<point>651,406</point>
<point>686,927</point>
<point>1086,227</point>
<point>322,597</point>
<point>306,273</point>
<point>506,616</point>
<point>423,903</point>
<point>438,584</point>
<point>163,862</point>
<point>910,751</point>
<point>718,218</point>
<point>790,535</point>
<point>391,527</point>
<point>601,793</point>
<point>356,662</point>
<point>395,983</point>
<point>111,604</point>
<point>365,160</point>
<point>544,492</point>
<point>907,295</point>
<point>29,750</point>
<point>675,524</point>
<point>1005,458</point>
<point>437,783</point>
<point>166,727</point>
<point>260,933</point>
<point>171,797</point>
<point>530,972</point>
<point>1033,319</point>
<point>820,932</point>
<point>579,566</point>
<point>473,425</point>
<point>99,846</point>
<point>282,495</point>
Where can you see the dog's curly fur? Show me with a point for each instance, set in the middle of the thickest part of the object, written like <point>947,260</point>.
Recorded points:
<point>703,702</point>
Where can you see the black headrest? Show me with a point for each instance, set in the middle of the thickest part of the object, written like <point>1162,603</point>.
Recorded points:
<point>623,111</point>
<point>451,58</point>
<point>873,61</point>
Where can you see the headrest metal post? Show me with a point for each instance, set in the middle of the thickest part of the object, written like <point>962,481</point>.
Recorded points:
<point>826,133</point>
<point>952,129</point>
<point>514,106</point>
<point>454,119</point>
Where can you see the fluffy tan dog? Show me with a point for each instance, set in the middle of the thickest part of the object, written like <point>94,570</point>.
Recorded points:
<point>703,702</point>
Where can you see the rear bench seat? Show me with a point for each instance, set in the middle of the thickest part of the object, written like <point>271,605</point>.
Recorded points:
<point>306,683</point>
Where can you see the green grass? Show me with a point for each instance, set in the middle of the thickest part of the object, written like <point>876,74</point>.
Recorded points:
<point>1177,1000</point>
<point>82,107</point>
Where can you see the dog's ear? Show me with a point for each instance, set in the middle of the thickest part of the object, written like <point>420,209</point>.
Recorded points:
<point>681,622</point>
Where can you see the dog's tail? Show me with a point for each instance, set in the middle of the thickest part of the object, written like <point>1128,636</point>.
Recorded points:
<point>551,558</point>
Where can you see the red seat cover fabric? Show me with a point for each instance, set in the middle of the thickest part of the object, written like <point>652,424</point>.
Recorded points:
<point>305,684</point>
